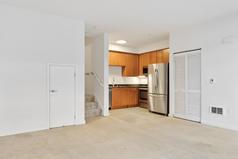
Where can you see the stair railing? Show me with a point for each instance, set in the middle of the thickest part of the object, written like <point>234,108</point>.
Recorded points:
<point>99,81</point>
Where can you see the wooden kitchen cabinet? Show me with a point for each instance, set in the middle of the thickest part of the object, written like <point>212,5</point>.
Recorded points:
<point>153,57</point>
<point>128,61</point>
<point>116,59</point>
<point>163,56</point>
<point>159,57</point>
<point>166,56</point>
<point>143,62</point>
<point>131,66</point>
<point>124,97</point>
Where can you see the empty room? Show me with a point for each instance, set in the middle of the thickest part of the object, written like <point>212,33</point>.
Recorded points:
<point>148,79</point>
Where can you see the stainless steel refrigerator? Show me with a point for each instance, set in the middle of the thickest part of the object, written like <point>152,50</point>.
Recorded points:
<point>158,88</point>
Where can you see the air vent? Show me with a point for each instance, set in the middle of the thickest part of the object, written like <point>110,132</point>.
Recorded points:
<point>217,110</point>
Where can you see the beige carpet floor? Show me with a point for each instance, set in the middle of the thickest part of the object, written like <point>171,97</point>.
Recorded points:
<point>127,134</point>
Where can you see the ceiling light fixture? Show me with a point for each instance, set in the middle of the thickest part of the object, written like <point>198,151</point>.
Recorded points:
<point>121,42</point>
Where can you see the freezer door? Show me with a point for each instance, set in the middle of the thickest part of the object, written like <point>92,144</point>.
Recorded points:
<point>158,79</point>
<point>158,103</point>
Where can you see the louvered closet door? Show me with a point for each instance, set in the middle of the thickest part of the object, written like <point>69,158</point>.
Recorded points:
<point>180,103</point>
<point>194,85</point>
<point>188,85</point>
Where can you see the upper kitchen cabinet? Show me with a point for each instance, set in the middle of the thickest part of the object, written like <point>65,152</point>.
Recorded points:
<point>134,64</point>
<point>131,66</point>
<point>166,56</point>
<point>129,62</point>
<point>116,59</point>
<point>144,60</point>
<point>161,56</point>
<point>152,57</point>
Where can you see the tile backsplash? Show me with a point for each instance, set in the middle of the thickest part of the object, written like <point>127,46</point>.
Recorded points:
<point>115,71</point>
<point>127,80</point>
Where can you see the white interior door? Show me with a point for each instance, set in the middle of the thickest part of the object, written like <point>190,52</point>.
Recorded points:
<point>188,85</point>
<point>180,84</point>
<point>62,95</point>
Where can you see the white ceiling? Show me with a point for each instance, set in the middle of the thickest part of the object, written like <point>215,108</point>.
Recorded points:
<point>137,21</point>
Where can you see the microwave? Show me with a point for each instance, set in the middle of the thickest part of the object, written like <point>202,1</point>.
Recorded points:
<point>145,70</point>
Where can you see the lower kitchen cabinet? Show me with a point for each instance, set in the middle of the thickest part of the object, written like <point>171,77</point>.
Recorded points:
<point>124,97</point>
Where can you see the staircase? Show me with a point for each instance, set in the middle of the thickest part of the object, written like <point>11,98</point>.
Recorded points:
<point>91,107</point>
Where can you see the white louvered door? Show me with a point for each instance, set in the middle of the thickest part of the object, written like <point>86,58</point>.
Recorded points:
<point>187,77</point>
<point>180,80</point>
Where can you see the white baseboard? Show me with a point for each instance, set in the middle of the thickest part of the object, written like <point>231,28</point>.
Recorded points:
<point>171,115</point>
<point>105,113</point>
<point>211,123</point>
<point>220,125</point>
<point>22,131</point>
<point>187,117</point>
<point>80,122</point>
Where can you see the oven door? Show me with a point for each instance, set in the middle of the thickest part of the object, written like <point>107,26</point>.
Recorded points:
<point>143,94</point>
<point>143,98</point>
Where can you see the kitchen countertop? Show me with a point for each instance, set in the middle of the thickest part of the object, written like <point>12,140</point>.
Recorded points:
<point>128,85</point>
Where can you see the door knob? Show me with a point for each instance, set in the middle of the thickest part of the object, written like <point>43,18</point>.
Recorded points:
<point>53,91</point>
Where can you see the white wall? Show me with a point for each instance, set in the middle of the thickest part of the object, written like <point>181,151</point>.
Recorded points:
<point>163,44</point>
<point>101,70</point>
<point>123,48</point>
<point>89,79</point>
<point>219,42</point>
<point>28,43</point>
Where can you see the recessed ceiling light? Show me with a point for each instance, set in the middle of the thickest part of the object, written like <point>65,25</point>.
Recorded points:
<point>121,42</point>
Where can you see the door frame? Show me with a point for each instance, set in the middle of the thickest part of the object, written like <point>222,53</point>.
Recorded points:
<point>185,117</point>
<point>48,89</point>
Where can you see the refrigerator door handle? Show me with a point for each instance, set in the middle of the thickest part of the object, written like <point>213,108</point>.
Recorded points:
<point>157,78</point>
